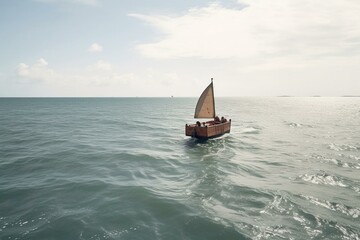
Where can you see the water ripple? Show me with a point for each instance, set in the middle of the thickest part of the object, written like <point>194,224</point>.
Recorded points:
<point>323,178</point>
<point>123,169</point>
<point>350,211</point>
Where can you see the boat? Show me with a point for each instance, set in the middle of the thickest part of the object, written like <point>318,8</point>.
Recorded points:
<point>205,108</point>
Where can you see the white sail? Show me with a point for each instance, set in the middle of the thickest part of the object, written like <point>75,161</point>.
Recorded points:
<point>205,107</point>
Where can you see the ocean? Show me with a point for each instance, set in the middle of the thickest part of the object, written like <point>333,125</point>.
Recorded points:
<point>122,168</point>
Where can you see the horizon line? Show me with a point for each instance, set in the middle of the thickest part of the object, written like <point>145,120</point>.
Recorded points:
<point>281,96</point>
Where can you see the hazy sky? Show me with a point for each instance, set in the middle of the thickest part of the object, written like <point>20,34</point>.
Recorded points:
<point>140,48</point>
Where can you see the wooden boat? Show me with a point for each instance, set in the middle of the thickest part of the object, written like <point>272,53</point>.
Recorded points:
<point>205,108</point>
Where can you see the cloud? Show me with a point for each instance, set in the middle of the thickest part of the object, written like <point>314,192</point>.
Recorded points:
<point>95,48</point>
<point>101,72</point>
<point>38,72</point>
<point>103,66</point>
<point>84,2</point>
<point>101,79</point>
<point>257,31</point>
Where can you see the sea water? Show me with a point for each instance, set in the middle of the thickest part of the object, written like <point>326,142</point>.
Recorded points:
<point>121,168</point>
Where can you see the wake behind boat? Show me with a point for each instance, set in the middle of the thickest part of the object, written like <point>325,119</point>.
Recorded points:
<point>205,108</point>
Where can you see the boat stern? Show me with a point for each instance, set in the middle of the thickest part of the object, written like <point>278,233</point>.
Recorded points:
<point>207,131</point>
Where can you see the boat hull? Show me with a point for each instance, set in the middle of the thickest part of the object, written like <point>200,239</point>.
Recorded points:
<point>207,130</point>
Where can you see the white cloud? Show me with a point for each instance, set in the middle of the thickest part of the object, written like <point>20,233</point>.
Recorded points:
<point>95,48</point>
<point>88,2</point>
<point>102,79</point>
<point>103,66</point>
<point>314,42</point>
<point>84,2</point>
<point>38,72</point>
<point>291,32</point>
<point>99,73</point>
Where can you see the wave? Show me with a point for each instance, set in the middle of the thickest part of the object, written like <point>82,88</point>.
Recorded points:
<point>251,130</point>
<point>273,232</point>
<point>123,169</point>
<point>280,204</point>
<point>297,125</point>
<point>338,162</point>
<point>337,207</point>
<point>343,147</point>
<point>323,178</point>
<point>316,226</point>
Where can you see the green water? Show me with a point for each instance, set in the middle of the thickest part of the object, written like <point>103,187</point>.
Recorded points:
<point>121,168</point>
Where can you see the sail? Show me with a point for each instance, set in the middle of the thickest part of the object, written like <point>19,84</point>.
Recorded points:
<point>205,107</point>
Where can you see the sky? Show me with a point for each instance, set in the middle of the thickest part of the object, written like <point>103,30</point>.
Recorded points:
<point>161,48</point>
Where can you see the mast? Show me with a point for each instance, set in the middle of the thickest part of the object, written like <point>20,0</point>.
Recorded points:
<point>213,97</point>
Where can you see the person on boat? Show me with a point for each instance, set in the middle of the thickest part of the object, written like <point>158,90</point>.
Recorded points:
<point>223,120</point>
<point>198,124</point>
<point>217,120</point>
